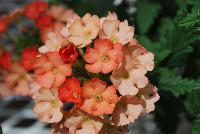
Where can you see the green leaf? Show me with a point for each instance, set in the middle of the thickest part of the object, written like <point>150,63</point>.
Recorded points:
<point>196,125</point>
<point>192,102</point>
<point>191,20</point>
<point>170,81</point>
<point>146,14</point>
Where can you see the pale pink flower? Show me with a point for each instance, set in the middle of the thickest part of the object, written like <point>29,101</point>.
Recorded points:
<point>48,106</point>
<point>104,57</point>
<point>62,14</point>
<point>129,81</point>
<point>83,31</point>
<point>56,27</point>
<point>19,79</point>
<point>150,95</point>
<point>50,70</point>
<point>97,96</point>
<point>117,31</point>
<point>130,76</point>
<point>52,44</point>
<point>110,16</point>
<point>147,60</point>
<point>83,124</point>
<point>34,88</point>
<point>127,111</point>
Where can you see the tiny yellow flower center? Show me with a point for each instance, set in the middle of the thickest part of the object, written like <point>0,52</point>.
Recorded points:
<point>75,95</point>
<point>55,71</point>
<point>86,118</point>
<point>104,58</point>
<point>98,98</point>
<point>54,103</point>
<point>87,34</point>
<point>126,76</point>
<point>114,39</point>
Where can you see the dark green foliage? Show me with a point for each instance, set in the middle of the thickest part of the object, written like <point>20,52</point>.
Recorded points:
<point>196,125</point>
<point>146,15</point>
<point>171,81</point>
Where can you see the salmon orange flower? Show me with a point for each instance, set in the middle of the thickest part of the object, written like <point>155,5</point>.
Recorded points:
<point>51,71</point>
<point>98,99</point>
<point>35,9</point>
<point>19,79</point>
<point>70,91</point>
<point>28,57</point>
<point>5,60</point>
<point>104,57</point>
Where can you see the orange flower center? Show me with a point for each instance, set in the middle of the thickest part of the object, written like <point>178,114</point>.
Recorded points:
<point>54,103</point>
<point>75,95</point>
<point>104,58</point>
<point>98,98</point>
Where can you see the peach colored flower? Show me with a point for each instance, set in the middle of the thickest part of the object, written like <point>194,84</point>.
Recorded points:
<point>34,88</point>
<point>127,111</point>
<point>53,43</point>
<point>117,31</point>
<point>51,70</point>
<point>150,95</point>
<point>104,57</point>
<point>19,79</point>
<point>83,31</point>
<point>128,80</point>
<point>99,99</point>
<point>59,128</point>
<point>48,106</point>
<point>130,76</point>
<point>5,90</point>
<point>147,60</point>
<point>62,14</point>
<point>110,16</point>
<point>83,124</point>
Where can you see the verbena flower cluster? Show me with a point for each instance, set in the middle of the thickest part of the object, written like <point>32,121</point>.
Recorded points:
<point>89,76</point>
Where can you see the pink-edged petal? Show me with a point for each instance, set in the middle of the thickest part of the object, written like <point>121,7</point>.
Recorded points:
<point>65,69</point>
<point>91,55</point>
<point>103,45</point>
<point>88,105</point>
<point>108,67</point>
<point>94,68</point>
<point>59,79</point>
<point>46,80</point>
<point>110,95</point>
